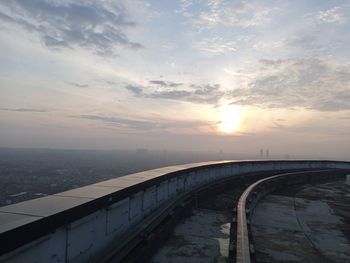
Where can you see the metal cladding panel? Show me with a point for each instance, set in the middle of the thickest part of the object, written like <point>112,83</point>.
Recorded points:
<point>296,165</point>
<point>180,183</point>
<point>344,165</point>
<point>285,165</point>
<point>303,165</point>
<point>243,168</point>
<point>234,169</point>
<point>227,169</point>
<point>331,165</point>
<point>187,182</point>
<point>258,167</point>
<point>211,172</point>
<point>49,248</point>
<point>269,166</point>
<point>313,165</point>
<point>150,199</point>
<point>118,217</point>
<point>136,212</point>
<point>250,167</point>
<point>203,175</point>
<point>200,177</point>
<point>223,171</point>
<point>206,175</point>
<point>80,238</point>
<point>190,181</point>
<point>100,237</point>
<point>263,166</point>
<point>326,164</point>
<point>277,166</point>
<point>193,177</point>
<point>218,174</point>
<point>162,191</point>
<point>172,186</point>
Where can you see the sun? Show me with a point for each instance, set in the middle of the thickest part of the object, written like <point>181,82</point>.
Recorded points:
<point>230,119</point>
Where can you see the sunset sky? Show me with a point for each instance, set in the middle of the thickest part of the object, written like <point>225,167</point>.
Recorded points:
<point>196,75</point>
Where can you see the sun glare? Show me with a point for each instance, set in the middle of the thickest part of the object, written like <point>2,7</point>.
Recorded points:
<point>230,119</point>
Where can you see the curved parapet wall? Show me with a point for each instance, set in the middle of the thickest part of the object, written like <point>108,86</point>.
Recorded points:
<point>82,224</point>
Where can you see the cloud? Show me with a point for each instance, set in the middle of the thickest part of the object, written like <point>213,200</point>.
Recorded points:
<point>217,12</point>
<point>24,110</point>
<point>161,125</point>
<point>98,26</point>
<point>312,83</point>
<point>216,45</point>
<point>134,89</point>
<point>78,85</point>
<point>202,94</point>
<point>163,83</point>
<point>332,15</point>
<point>122,122</point>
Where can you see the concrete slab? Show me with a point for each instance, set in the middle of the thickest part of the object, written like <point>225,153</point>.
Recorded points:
<point>90,191</point>
<point>9,221</point>
<point>281,213</point>
<point>45,206</point>
<point>204,237</point>
<point>310,225</point>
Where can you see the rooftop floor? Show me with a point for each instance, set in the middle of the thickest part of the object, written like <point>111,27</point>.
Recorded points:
<point>203,237</point>
<point>304,224</point>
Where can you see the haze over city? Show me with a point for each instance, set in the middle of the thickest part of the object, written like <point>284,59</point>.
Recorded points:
<point>236,76</point>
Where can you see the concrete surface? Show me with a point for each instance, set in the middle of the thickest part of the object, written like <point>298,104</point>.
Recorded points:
<point>304,224</point>
<point>203,237</point>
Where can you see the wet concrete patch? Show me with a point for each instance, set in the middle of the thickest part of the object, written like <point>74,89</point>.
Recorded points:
<point>281,213</point>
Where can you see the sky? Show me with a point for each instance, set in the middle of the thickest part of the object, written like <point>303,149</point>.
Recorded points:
<point>236,76</point>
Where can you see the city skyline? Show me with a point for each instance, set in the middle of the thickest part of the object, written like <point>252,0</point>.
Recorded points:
<point>184,75</point>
